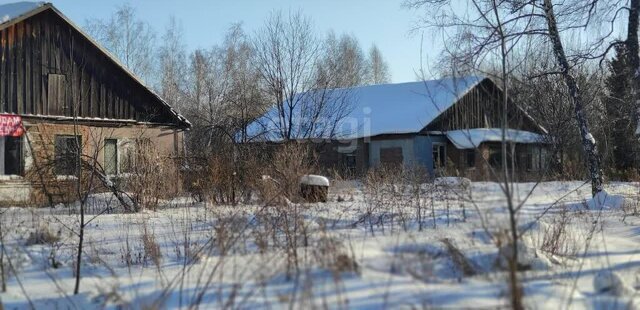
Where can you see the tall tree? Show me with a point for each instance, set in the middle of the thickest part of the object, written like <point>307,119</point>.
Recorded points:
<point>632,49</point>
<point>287,54</point>
<point>343,63</point>
<point>128,38</point>
<point>172,65</point>
<point>620,111</point>
<point>576,96</point>
<point>378,67</point>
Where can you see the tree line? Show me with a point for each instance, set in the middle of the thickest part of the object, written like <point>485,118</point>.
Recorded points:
<point>222,88</point>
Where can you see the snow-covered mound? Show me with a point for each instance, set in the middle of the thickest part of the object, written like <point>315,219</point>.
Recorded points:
<point>604,200</point>
<point>607,281</point>
<point>315,180</point>
<point>528,257</point>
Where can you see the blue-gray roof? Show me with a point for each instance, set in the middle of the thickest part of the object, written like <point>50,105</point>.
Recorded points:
<point>379,109</point>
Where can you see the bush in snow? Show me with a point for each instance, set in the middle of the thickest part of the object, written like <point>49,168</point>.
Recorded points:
<point>42,235</point>
<point>558,238</point>
<point>151,247</point>
<point>330,254</point>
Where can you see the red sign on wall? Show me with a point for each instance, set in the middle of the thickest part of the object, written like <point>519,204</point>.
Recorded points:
<point>11,126</point>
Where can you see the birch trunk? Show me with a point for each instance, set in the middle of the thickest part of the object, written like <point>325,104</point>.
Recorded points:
<point>588,142</point>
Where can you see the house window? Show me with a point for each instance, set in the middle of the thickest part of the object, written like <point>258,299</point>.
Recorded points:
<point>495,157</point>
<point>12,156</point>
<point>349,163</point>
<point>533,158</point>
<point>439,155</point>
<point>67,155</point>
<point>470,158</point>
<point>111,156</point>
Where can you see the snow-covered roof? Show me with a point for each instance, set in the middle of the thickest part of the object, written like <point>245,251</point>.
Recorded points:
<point>472,138</point>
<point>381,109</point>
<point>11,11</point>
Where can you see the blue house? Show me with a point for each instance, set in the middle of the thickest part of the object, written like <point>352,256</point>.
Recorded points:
<point>449,126</point>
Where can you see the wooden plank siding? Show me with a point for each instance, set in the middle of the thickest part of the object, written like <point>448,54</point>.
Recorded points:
<point>48,68</point>
<point>482,107</point>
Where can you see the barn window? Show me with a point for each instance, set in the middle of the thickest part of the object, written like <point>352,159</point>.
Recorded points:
<point>439,155</point>
<point>111,156</point>
<point>57,94</point>
<point>470,158</point>
<point>12,162</point>
<point>67,155</point>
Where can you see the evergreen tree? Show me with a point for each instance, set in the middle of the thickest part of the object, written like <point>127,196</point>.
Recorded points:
<point>620,112</point>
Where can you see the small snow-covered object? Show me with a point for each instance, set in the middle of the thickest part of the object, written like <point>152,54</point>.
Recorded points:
<point>315,180</point>
<point>604,200</point>
<point>314,188</point>
<point>528,258</point>
<point>607,281</point>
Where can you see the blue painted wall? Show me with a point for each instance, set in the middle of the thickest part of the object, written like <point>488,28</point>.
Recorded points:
<point>415,150</point>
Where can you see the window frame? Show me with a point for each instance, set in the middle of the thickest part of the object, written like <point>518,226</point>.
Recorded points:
<point>116,156</point>
<point>57,157</point>
<point>470,154</point>
<point>19,143</point>
<point>439,161</point>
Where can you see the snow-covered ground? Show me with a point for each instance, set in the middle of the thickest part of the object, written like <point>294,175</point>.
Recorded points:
<point>361,250</point>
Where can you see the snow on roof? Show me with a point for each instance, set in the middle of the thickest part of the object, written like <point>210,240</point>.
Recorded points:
<point>382,109</point>
<point>12,11</point>
<point>472,138</point>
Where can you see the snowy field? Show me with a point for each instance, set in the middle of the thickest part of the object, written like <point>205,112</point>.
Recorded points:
<point>362,250</point>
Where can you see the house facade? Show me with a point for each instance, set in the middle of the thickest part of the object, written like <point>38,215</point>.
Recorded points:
<point>63,100</point>
<point>448,127</point>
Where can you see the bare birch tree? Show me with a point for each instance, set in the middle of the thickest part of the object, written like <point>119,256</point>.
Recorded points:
<point>378,68</point>
<point>172,65</point>
<point>288,53</point>
<point>588,141</point>
<point>128,38</point>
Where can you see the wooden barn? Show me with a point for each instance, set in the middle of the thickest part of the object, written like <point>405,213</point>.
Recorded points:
<point>63,97</point>
<point>449,127</point>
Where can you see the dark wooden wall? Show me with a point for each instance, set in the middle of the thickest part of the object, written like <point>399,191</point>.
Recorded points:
<point>48,68</point>
<point>482,107</point>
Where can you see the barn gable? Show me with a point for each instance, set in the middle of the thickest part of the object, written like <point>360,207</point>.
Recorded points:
<point>50,68</point>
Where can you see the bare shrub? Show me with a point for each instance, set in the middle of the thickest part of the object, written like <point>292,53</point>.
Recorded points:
<point>459,259</point>
<point>43,235</point>
<point>331,254</point>
<point>151,247</point>
<point>291,161</point>
<point>557,238</point>
<point>152,177</point>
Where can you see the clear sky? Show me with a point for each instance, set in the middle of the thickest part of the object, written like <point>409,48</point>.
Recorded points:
<point>383,22</point>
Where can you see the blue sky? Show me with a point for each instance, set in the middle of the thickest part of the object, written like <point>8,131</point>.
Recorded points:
<point>383,22</point>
